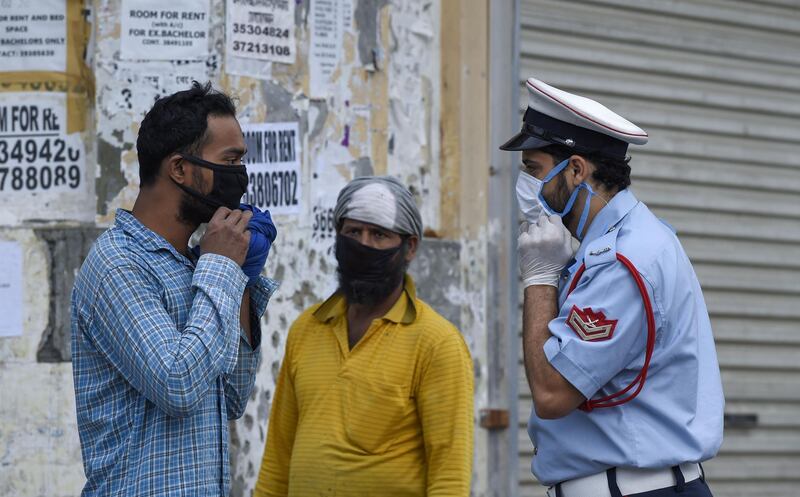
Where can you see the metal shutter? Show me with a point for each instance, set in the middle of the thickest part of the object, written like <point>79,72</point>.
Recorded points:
<point>717,86</point>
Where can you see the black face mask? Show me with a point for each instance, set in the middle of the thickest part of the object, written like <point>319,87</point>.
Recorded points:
<point>368,275</point>
<point>230,183</point>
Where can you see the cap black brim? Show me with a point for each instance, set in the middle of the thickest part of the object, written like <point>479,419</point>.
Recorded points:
<point>524,141</point>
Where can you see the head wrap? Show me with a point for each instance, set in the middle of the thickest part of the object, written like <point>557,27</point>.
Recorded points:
<point>380,200</point>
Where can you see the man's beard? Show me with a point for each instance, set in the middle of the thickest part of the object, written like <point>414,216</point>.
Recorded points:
<point>193,211</point>
<point>562,195</point>
<point>370,292</point>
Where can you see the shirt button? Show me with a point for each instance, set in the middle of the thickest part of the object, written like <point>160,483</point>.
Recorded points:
<point>535,450</point>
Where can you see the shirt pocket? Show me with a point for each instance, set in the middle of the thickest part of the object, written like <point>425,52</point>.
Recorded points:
<point>374,413</point>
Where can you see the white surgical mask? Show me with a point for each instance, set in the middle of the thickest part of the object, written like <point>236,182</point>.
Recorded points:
<point>528,189</point>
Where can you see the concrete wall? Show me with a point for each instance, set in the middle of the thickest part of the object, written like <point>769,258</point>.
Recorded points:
<point>392,110</point>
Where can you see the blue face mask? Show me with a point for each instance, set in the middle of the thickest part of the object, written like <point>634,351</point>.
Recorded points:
<point>570,203</point>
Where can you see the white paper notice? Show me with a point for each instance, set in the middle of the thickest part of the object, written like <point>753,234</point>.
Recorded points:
<point>33,35</point>
<point>273,167</point>
<point>159,30</point>
<point>326,43</point>
<point>151,80</point>
<point>261,29</point>
<point>11,289</point>
<point>37,156</point>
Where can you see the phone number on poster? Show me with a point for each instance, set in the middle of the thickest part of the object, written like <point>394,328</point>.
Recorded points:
<point>37,178</point>
<point>249,29</point>
<point>261,48</point>
<point>30,150</point>
<point>275,189</point>
<point>41,164</point>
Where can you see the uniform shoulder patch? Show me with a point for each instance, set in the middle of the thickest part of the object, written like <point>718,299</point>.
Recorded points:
<point>589,325</point>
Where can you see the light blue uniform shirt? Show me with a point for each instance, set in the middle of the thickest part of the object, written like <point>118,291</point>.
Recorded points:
<point>677,417</point>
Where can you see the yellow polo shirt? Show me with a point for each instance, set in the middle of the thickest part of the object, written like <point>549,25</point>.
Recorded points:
<point>391,417</point>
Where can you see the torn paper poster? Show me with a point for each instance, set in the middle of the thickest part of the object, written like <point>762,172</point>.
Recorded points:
<point>327,21</point>
<point>240,66</point>
<point>261,29</point>
<point>33,35</point>
<point>273,167</point>
<point>148,81</point>
<point>37,156</point>
<point>158,30</point>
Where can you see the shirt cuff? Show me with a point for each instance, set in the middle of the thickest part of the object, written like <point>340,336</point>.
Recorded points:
<point>559,358</point>
<point>218,271</point>
<point>261,293</point>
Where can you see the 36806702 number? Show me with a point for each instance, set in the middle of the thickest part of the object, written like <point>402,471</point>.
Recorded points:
<point>272,189</point>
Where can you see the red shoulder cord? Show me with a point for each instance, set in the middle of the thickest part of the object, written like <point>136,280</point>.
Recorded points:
<point>638,382</point>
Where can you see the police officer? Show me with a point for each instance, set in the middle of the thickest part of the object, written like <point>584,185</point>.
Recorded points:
<point>617,341</point>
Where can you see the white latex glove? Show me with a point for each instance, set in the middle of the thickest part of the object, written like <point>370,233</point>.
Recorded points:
<point>544,248</point>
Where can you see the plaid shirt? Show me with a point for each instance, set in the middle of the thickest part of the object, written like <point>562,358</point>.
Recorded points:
<point>160,364</point>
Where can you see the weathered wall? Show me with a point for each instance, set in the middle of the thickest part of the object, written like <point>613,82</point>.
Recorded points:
<point>383,114</point>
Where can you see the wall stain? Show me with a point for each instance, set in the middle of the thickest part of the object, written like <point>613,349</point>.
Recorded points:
<point>369,45</point>
<point>113,180</point>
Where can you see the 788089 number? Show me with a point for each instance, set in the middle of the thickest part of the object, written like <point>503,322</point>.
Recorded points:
<point>33,178</point>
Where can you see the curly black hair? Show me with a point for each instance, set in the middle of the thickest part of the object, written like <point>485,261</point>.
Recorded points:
<point>178,123</point>
<point>614,174</point>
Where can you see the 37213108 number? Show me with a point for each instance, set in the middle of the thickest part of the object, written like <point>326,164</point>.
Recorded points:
<point>261,48</point>
<point>272,189</point>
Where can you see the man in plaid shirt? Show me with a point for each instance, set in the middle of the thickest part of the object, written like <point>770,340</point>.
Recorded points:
<point>165,340</point>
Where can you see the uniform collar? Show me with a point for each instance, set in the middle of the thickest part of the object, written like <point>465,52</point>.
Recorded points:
<point>144,236</point>
<point>404,311</point>
<point>608,217</point>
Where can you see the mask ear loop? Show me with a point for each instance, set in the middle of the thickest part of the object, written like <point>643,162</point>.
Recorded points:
<point>552,174</point>
<point>585,214</point>
<point>197,161</point>
<point>572,198</point>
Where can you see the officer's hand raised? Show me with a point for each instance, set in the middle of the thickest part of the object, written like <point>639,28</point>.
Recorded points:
<point>544,248</point>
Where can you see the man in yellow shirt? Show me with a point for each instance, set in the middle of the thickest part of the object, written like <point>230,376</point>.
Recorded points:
<point>374,396</point>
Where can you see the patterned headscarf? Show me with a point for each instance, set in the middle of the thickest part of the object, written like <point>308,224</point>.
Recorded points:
<point>380,200</point>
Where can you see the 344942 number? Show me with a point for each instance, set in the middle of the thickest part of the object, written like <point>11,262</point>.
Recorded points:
<point>30,150</point>
<point>38,164</point>
<point>272,189</point>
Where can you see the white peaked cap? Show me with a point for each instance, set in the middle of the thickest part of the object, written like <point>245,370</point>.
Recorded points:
<point>557,117</point>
